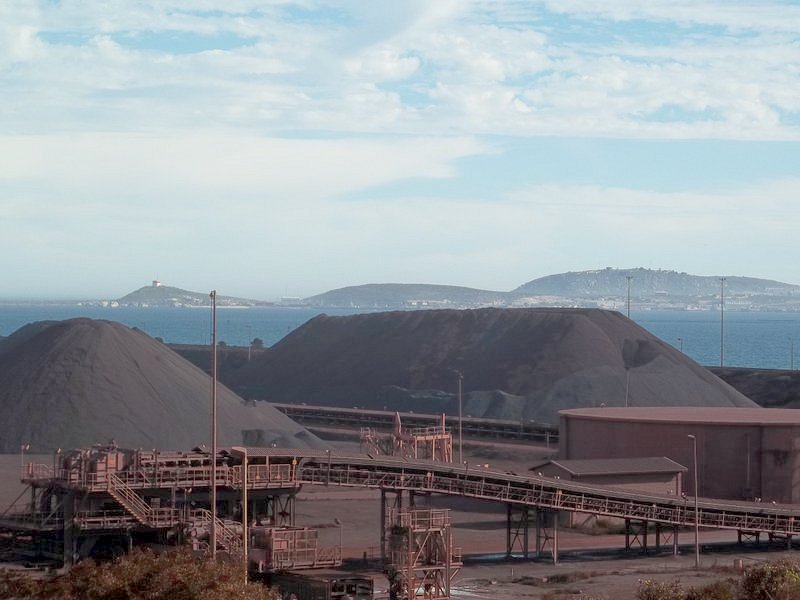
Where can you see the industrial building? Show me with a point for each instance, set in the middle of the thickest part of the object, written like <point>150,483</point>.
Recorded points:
<point>742,453</point>
<point>656,474</point>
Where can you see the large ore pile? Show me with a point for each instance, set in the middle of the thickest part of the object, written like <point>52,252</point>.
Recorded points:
<point>73,383</point>
<point>516,364</point>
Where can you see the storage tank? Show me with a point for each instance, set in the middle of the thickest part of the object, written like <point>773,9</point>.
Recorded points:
<point>742,453</point>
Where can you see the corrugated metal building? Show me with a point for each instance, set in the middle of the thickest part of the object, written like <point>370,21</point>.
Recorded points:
<point>656,474</point>
<point>742,453</point>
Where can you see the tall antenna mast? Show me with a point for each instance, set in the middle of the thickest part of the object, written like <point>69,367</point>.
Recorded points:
<point>213,532</point>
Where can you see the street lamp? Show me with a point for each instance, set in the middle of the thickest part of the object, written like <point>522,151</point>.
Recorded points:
<point>242,452</point>
<point>340,524</point>
<point>22,449</point>
<point>721,320</point>
<point>627,384</point>
<point>56,460</point>
<point>213,532</point>
<point>249,342</point>
<point>629,277</point>
<point>680,341</point>
<point>791,354</point>
<point>696,510</point>
<point>460,418</point>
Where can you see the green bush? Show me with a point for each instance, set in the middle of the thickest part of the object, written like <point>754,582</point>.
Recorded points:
<point>779,580</point>
<point>718,590</point>
<point>177,575</point>
<point>650,589</point>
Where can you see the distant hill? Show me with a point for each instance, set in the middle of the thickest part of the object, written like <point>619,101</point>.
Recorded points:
<point>605,288</point>
<point>164,295</point>
<point>400,295</point>
<point>647,283</point>
<point>517,364</point>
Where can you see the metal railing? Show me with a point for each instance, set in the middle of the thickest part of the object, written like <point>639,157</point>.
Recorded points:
<point>540,492</point>
<point>259,477</point>
<point>230,540</point>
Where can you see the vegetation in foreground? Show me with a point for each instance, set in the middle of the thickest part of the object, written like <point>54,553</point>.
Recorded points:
<point>779,580</point>
<point>176,575</point>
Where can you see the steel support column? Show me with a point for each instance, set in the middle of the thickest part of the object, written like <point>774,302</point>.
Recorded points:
<point>517,529</point>
<point>636,534</point>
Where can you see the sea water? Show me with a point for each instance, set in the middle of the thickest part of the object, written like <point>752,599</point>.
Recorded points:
<point>764,340</point>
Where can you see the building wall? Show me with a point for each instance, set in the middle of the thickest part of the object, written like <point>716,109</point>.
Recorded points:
<point>653,483</point>
<point>780,464</point>
<point>733,461</point>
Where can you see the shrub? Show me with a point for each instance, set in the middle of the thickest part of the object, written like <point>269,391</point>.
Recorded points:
<point>718,590</point>
<point>561,595</point>
<point>779,580</point>
<point>650,589</point>
<point>177,575</point>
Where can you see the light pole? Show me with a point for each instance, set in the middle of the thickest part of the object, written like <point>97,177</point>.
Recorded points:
<point>340,524</point>
<point>629,277</point>
<point>56,460</point>
<point>249,342</point>
<point>242,452</point>
<point>696,509</point>
<point>680,341</point>
<point>460,418</point>
<point>791,354</point>
<point>721,320</point>
<point>22,449</point>
<point>213,533</point>
<point>627,384</point>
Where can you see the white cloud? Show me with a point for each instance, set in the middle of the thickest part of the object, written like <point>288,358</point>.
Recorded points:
<point>216,162</point>
<point>737,16</point>
<point>382,64</point>
<point>421,68</point>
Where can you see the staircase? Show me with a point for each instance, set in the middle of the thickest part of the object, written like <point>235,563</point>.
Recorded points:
<point>228,540</point>
<point>130,500</point>
<point>142,512</point>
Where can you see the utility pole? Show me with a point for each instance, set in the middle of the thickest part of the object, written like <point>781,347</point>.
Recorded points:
<point>249,342</point>
<point>722,321</point>
<point>629,277</point>
<point>627,384</point>
<point>460,419</point>
<point>213,533</point>
<point>696,509</point>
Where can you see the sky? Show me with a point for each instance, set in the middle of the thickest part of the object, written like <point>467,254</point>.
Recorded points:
<point>269,149</point>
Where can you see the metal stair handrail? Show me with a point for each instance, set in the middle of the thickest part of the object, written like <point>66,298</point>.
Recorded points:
<point>228,539</point>
<point>129,499</point>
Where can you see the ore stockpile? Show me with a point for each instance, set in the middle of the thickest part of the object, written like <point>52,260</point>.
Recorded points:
<point>74,383</point>
<point>519,364</point>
